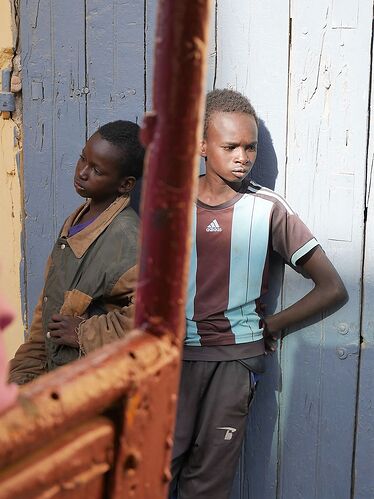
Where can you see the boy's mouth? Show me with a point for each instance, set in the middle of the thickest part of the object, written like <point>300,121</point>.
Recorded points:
<point>78,186</point>
<point>239,172</point>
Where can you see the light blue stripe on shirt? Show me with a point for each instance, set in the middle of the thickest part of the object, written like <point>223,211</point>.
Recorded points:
<point>192,336</point>
<point>249,245</point>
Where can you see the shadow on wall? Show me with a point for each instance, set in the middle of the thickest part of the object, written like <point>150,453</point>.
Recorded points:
<point>265,170</point>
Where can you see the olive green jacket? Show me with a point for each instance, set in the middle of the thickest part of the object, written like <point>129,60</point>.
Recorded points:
<point>92,275</point>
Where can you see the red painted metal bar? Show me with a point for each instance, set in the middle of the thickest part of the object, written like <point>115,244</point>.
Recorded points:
<point>172,134</point>
<point>57,417</point>
<point>57,401</point>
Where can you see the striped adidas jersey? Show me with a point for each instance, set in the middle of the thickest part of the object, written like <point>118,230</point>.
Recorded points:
<point>231,247</point>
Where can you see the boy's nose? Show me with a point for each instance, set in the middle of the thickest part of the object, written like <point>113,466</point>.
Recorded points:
<point>83,172</point>
<point>243,157</point>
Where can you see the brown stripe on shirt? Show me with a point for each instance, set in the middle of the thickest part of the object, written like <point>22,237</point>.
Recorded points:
<point>213,276</point>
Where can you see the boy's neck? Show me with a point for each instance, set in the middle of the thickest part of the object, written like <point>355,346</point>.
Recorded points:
<point>96,208</point>
<point>214,193</point>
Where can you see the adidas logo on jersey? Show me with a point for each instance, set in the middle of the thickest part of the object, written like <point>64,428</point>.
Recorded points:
<point>214,227</point>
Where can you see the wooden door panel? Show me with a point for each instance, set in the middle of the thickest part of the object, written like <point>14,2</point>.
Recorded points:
<point>54,119</point>
<point>115,62</point>
<point>327,136</point>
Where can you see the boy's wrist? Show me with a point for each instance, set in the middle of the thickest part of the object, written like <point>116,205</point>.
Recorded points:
<point>271,327</point>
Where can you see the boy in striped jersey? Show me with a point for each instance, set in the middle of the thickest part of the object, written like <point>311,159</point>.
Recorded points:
<point>237,225</point>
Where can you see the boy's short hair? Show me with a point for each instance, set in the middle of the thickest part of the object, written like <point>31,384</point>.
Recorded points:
<point>125,135</point>
<point>226,101</point>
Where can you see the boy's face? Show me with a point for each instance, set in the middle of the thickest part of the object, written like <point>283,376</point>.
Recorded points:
<point>230,147</point>
<point>97,174</point>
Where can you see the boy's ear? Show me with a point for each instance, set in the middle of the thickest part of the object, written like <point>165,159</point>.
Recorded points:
<point>203,149</point>
<point>127,185</point>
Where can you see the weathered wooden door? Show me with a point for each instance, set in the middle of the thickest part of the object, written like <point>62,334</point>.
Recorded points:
<point>306,67</point>
<point>85,62</point>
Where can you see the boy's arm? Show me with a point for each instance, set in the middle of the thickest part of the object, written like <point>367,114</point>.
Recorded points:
<point>329,291</point>
<point>30,359</point>
<point>106,328</point>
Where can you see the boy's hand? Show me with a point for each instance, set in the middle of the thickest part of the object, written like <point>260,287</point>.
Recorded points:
<point>63,330</point>
<point>270,336</point>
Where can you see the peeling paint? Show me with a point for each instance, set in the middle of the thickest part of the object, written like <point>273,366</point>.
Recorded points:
<point>10,188</point>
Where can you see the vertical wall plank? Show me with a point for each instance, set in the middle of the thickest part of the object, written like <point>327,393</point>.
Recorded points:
<point>252,57</point>
<point>363,469</point>
<point>115,62</point>
<point>149,38</point>
<point>54,123</point>
<point>68,105</point>
<point>212,48</point>
<point>325,184</point>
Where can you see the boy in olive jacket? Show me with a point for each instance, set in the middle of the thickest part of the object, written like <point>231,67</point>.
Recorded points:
<point>88,296</point>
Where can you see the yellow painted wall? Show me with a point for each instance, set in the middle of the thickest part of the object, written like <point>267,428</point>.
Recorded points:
<point>10,194</point>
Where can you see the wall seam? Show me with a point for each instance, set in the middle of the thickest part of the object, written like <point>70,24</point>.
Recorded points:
<point>279,428</point>
<point>145,53</point>
<point>86,77</point>
<point>17,120</point>
<point>215,43</point>
<point>362,276</point>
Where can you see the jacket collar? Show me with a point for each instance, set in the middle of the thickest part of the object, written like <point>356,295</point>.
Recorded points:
<point>79,243</point>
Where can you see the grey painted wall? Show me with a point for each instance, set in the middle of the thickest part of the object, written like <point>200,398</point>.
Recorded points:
<point>306,67</point>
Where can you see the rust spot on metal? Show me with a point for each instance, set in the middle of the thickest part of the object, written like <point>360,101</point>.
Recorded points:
<point>166,476</point>
<point>132,407</point>
<point>131,462</point>
<point>55,396</point>
<point>169,442</point>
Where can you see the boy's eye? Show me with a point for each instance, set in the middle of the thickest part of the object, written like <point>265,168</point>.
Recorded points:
<point>81,157</point>
<point>98,172</point>
<point>228,148</point>
<point>252,147</point>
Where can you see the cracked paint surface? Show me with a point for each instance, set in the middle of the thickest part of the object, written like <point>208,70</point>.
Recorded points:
<point>10,192</point>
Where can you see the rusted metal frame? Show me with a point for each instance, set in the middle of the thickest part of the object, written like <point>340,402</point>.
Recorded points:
<point>64,398</point>
<point>173,133</point>
<point>141,467</point>
<point>77,460</point>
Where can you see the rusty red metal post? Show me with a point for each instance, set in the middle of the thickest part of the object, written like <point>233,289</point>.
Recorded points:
<point>172,133</point>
